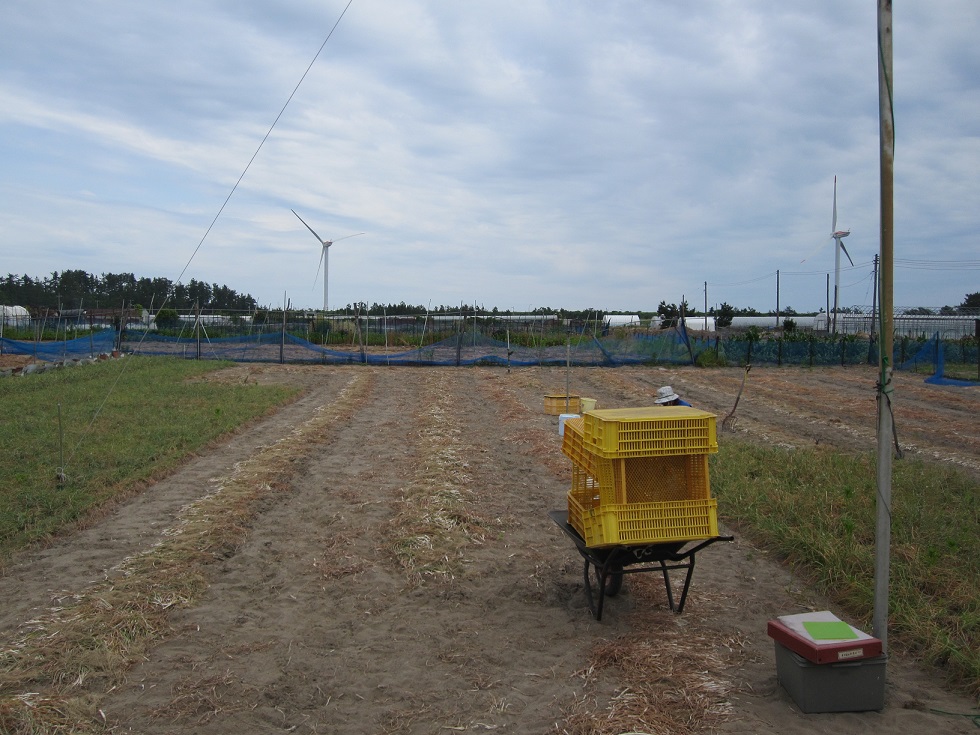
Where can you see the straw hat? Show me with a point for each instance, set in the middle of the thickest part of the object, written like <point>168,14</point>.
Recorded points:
<point>666,395</point>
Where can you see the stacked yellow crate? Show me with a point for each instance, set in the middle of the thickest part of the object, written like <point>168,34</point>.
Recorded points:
<point>640,475</point>
<point>555,405</point>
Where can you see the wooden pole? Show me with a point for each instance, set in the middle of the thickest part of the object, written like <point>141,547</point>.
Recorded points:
<point>282,333</point>
<point>886,349</point>
<point>568,367</point>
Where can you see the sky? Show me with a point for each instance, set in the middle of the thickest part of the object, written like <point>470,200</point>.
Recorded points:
<point>516,154</point>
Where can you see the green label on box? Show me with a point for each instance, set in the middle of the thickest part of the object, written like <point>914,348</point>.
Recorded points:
<point>829,631</point>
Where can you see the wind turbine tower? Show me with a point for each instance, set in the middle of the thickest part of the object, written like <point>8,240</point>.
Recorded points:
<point>838,236</point>
<point>325,254</point>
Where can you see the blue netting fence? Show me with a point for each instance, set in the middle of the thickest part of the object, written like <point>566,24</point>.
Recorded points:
<point>464,348</point>
<point>929,357</point>
<point>948,362</point>
<point>95,343</point>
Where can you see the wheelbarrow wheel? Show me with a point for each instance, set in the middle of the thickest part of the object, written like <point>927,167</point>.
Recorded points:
<point>614,579</point>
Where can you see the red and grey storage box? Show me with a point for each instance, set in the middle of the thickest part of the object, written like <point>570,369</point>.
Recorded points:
<point>789,630</point>
<point>846,675</point>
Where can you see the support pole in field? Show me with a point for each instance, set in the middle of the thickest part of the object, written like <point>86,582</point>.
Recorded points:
<point>828,303</point>
<point>568,367</point>
<point>61,450</point>
<point>282,334</point>
<point>706,307</point>
<point>777,299</point>
<point>885,386</point>
<point>387,358</point>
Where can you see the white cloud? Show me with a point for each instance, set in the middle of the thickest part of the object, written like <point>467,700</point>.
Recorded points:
<point>513,153</point>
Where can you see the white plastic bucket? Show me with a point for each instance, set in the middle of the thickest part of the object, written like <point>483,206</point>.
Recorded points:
<point>562,418</point>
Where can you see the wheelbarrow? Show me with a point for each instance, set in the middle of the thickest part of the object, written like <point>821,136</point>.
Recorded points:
<point>605,567</point>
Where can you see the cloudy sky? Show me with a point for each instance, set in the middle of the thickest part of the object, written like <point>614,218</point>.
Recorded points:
<point>513,153</point>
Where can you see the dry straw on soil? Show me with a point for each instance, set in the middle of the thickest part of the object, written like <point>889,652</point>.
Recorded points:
<point>672,675</point>
<point>54,674</point>
<point>435,520</point>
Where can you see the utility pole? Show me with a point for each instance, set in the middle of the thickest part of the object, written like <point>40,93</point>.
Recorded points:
<point>777,299</point>
<point>828,302</point>
<point>705,306</point>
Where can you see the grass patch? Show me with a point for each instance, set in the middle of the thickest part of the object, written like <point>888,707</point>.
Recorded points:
<point>54,674</point>
<point>816,509</point>
<point>123,424</point>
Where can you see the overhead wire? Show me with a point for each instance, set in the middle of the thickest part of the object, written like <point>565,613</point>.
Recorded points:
<point>221,209</point>
<point>936,265</point>
<point>264,139</point>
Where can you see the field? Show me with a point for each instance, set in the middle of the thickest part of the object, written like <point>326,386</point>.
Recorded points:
<point>387,565</point>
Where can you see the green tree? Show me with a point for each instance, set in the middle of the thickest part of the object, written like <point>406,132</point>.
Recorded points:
<point>167,318</point>
<point>972,301</point>
<point>726,312</point>
<point>669,314</point>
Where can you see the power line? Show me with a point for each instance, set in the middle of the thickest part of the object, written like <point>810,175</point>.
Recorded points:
<point>292,94</point>
<point>926,265</point>
<point>262,143</point>
<point>938,265</point>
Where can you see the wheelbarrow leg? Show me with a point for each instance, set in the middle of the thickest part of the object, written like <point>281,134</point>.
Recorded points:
<point>609,576</point>
<point>595,606</point>
<point>687,583</point>
<point>689,566</point>
<point>670,592</point>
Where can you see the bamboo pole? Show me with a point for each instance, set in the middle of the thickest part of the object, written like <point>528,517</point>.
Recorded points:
<point>885,355</point>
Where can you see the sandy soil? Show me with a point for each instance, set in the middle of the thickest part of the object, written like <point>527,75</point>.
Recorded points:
<point>311,627</point>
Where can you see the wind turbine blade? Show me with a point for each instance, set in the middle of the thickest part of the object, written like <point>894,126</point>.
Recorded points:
<point>346,236</point>
<point>845,252</point>
<point>318,238</point>
<point>318,265</point>
<point>816,250</point>
<point>833,227</point>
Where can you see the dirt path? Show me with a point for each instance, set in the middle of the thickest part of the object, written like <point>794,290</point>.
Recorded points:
<point>316,625</point>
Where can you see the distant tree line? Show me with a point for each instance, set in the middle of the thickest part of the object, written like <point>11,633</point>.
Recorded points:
<point>970,305</point>
<point>403,309</point>
<point>73,289</point>
<point>670,313</point>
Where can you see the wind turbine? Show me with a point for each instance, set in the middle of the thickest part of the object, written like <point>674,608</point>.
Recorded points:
<point>324,255</point>
<point>838,236</point>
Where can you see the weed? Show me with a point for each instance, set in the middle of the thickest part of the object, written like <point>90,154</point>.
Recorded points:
<point>123,424</point>
<point>816,509</point>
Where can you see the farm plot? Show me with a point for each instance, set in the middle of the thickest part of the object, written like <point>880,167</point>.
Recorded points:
<point>399,574</point>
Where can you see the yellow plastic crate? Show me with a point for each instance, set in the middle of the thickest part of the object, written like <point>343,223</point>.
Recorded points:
<point>556,405</point>
<point>579,504</point>
<point>643,479</point>
<point>644,523</point>
<point>617,481</point>
<point>573,442</point>
<point>650,432</point>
